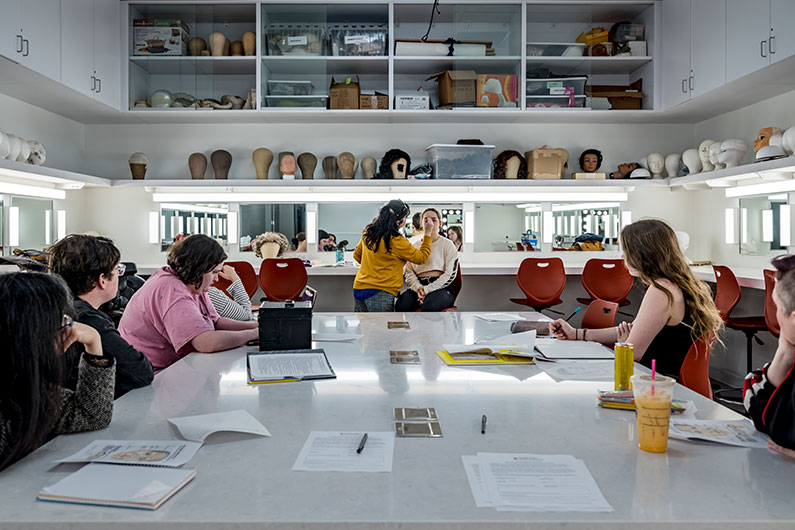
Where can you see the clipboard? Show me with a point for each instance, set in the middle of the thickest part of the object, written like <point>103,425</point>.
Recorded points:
<point>314,366</point>
<point>483,356</point>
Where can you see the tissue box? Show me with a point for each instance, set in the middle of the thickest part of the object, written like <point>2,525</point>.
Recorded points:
<point>160,37</point>
<point>496,91</point>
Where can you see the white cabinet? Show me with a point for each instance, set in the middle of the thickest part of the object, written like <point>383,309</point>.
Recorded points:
<point>694,48</point>
<point>30,34</point>
<point>782,36</point>
<point>760,33</point>
<point>90,48</point>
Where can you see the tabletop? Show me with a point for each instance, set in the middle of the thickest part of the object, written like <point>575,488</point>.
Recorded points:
<point>245,481</point>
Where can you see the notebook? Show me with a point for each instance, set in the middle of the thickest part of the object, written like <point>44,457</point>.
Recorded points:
<point>572,349</point>
<point>144,488</point>
<point>288,365</point>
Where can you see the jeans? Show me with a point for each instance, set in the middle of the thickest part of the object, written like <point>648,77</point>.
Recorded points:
<point>434,301</point>
<point>381,302</point>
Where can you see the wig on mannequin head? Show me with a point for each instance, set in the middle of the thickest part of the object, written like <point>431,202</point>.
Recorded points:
<point>385,226</point>
<point>501,165</point>
<point>596,152</point>
<point>271,237</point>
<point>385,168</point>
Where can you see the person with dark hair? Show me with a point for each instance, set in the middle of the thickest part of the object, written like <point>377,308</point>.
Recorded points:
<point>91,267</point>
<point>299,242</point>
<point>769,393</point>
<point>171,315</point>
<point>34,405</point>
<point>322,240</point>
<point>429,283</point>
<point>383,252</point>
<point>456,235</point>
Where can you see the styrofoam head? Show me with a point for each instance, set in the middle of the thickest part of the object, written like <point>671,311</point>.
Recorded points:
<point>703,151</point>
<point>692,161</point>
<point>673,165</point>
<point>656,162</point>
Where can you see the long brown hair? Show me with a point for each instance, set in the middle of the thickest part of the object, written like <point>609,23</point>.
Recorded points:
<point>651,248</point>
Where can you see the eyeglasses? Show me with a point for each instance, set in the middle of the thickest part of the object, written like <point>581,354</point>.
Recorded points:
<point>122,269</point>
<point>66,323</point>
<point>784,263</point>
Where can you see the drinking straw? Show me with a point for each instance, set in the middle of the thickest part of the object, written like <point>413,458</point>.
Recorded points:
<point>653,371</point>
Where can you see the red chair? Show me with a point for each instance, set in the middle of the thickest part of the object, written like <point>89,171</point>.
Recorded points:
<point>282,279</point>
<point>519,246</point>
<point>606,279</point>
<point>542,281</point>
<point>771,320</point>
<point>694,373</point>
<point>600,314</point>
<point>529,247</point>
<point>455,288</point>
<point>247,275</point>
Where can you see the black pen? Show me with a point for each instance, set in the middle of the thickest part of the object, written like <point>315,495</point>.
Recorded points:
<point>361,444</point>
<point>557,328</point>
<point>483,425</point>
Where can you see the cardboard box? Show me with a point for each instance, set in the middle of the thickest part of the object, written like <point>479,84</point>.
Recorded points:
<point>160,37</point>
<point>457,88</point>
<point>344,95</point>
<point>415,100</point>
<point>497,91</point>
<point>545,163</point>
<point>377,101</point>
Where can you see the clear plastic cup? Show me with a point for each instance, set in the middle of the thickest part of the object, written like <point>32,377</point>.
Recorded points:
<point>652,410</point>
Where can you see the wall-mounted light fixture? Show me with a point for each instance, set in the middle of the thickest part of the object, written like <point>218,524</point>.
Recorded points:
<point>730,224</point>
<point>60,225</point>
<point>154,227</point>
<point>13,226</point>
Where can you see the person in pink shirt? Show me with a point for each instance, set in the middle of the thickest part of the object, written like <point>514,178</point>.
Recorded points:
<point>171,315</point>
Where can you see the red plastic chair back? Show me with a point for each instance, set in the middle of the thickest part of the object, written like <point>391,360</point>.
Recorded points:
<point>694,373</point>
<point>770,306</point>
<point>455,288</point>
<point>541,280</point>
<point>247,275</point>
<point>519,246</point>
<point>727,290</point>
<point>282,279</point>
<point>607,279</point>
<point>600,314</point>
<point>529,247</point>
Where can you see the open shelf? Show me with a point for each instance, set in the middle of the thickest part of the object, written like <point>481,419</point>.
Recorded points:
<point>179,65</point>
<point>779,169</point>
<point>431,65</point>
<point>332,65</point>
<point>588,65</point>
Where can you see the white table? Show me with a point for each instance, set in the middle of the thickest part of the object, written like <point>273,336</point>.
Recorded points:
<point>245,482</point>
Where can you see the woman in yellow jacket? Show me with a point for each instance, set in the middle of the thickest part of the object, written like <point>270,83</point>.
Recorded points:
<point>383,252</point>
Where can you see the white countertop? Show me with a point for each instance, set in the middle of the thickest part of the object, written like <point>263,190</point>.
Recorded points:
<point>245,481</point>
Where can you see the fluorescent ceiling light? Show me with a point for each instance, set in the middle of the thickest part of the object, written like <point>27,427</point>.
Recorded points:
<point>31,191</point>
<point>766,188</point>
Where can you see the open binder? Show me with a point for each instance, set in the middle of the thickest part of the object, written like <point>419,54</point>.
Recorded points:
<point>288,366</point>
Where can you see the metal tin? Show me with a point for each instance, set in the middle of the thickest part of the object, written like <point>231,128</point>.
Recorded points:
<point>624,365</point>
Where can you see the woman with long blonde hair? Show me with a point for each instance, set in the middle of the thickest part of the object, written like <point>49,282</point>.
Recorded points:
<point>676,310</point>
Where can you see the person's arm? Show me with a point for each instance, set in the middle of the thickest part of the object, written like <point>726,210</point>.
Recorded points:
<point>220,340</point>
<point>237,309</point>
<point>227,324</point>
<point>770,401</point>
<point>404,250</point>
<point>782,362</point>
<point>357,253</point>
<point>449,272</point>
<point>412,280</point>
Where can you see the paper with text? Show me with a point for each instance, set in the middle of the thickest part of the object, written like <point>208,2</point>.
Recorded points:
<point>740,432</point>
<point>288,366</point>
<point>336,451</point>
<point>138,452</point>
<point>572,349</point>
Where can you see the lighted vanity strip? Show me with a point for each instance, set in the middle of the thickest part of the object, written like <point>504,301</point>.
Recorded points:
<point>246,481</point>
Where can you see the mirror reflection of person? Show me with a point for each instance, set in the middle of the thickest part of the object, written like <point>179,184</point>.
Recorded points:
<point>429,283</point>
<point>299,242</point>
<point>455,235</point>
<point>322,240</point>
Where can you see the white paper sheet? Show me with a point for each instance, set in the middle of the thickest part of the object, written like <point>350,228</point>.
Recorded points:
<point>335,337</point>
<point>336,451</point>
<point>740,433</point>
<point>565,370</point>
<point>288,366</point>
<point>198,428</point>
<point>479,490</point>
<point>540,483</point>
<point>572,349</point>
<point>137,452</point>
<point>499,317</point>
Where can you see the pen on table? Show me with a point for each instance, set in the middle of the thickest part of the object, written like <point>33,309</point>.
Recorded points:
<point>557,328</point>
<point>483,425</point>
<point>361,444</point>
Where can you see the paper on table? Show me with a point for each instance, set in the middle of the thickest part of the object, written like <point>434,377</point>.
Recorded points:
<point>572,349</point>
<point>289,366</point>
<point>479,490</point>
<point>541,483</point>
<point>336,451</point>
<point>579,370</point>
<point>520,344</point>
<point>198,428</point>
<point>334,337</point>
<point>499,317</point>
<point>740,432</point>
<point>137,452</point>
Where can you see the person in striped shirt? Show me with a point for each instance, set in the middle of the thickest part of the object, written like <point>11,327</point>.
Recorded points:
<point>239,306</point>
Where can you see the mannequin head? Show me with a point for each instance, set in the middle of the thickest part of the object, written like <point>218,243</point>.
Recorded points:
<point>624,170</point>
<point>764,136</point>
<point>590,160</point>
<point>394,165</point>
<point>732,152</point>
<point>656,164</point>
<point>703,153</point>
<point>644,162</point>
<point>287,164</point>
<point>510,165</point>
<point>673,165</point>
<point>692,161</point>
<point>640,173</point>
<point>788,140</point>
<point>714,151</point>
<point>369,166</point>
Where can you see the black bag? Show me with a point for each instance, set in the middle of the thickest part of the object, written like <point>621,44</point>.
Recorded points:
<point>285,325</point>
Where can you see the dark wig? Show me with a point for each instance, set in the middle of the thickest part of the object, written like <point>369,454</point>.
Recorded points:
<point>33,365</point>
<point>193,257</point>
<point>596,152</point>
<point>385,168</point>
<point>385,226</point>
<point>501,164</point>
<point>81,260</point>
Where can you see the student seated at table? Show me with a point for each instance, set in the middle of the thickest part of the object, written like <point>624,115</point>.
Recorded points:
<point>91,267</point>
<point>239,306</point>
<point>429,283</point>
<point>675,311</point>
<point>769,393</point>
<point>383,252</point>
<point>36,328</point>
<point>171,315</point>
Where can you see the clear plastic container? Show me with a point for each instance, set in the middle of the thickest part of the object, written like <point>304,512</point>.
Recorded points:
<point>555,49</point>
<point>630,32</point>
<point>453,161</point>
<point>554,102</point>
<point>289,88</point>
<point>551,86</point>
<point>357,39</point>
<point>297,101</point>
<point>296,39</point>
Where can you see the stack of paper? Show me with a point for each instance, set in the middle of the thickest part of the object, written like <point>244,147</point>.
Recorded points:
<point>572,349</point>
<point>625,399</point>
<point>739,432</point>
<point>533,483</point>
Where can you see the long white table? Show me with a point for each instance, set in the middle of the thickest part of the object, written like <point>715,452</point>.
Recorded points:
<point>246,482</point>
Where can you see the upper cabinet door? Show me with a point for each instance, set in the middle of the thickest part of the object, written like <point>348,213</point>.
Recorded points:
<point>748,30</point>
<point>675,52</point>
<point>77,46</point>
<point>41,25</point>
<point>11,30</point>
<point>708,46</point>
<point>782,24</point>
<point>107,51</point>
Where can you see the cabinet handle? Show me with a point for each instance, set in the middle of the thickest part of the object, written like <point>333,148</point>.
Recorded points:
<point>772,44</point>
<point>99,85</point>
<point>19,43</point>
<point>762,51</point>
<point>684,86</point>
<point>690,83</point>
<point>26,42</point>
<point>93,83</point>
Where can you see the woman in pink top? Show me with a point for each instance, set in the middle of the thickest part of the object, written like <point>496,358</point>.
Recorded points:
<point>171,315</point>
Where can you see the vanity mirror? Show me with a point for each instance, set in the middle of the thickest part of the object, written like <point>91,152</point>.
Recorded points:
<point>287,219</point>
<point>34,223</point>
<point>507,227</point>
<point>187,219</point>
<point>765,225</point>
<point>585,226</point>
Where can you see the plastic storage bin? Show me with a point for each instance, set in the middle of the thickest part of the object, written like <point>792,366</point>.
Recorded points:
<point>296,101</point>
<point>629,32</point>
<point>357,39</point>
<point>555,102</point>
<point>552,86</point>
<point>296,39</point>
<point>555,49</point>
<point>452,161</point>
<point>289,88</point>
